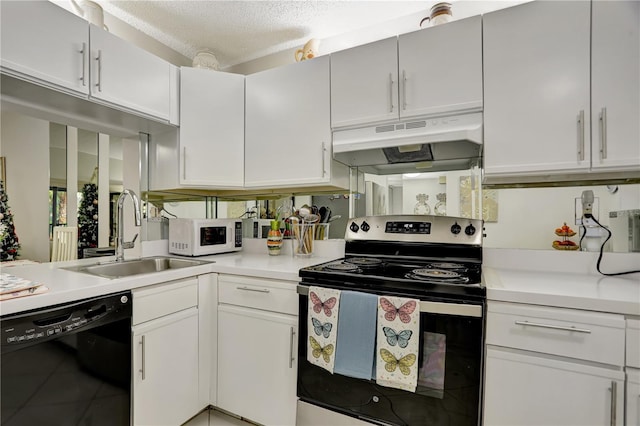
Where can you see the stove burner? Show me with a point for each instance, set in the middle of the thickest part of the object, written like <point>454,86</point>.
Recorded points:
<point>365,262</point>
<point>342,266</point>
<point>435,273</point>
<point>437,276</point>
<point>445,265</point>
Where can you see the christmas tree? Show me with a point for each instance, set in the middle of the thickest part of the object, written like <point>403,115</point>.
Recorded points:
<point>88,218</point>
<point>9,245</point>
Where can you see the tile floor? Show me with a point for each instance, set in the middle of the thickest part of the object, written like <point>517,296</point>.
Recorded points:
<point>216,418</point>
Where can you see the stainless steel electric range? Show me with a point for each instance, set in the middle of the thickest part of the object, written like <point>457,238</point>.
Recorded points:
<point>436,260</point>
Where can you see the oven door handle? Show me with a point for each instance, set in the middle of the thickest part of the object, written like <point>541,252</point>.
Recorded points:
<point>458,309</point>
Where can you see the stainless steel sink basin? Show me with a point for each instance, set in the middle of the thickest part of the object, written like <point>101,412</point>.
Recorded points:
<point>127,268</point>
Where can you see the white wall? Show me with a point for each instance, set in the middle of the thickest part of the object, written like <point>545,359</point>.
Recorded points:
<point>24,141</point>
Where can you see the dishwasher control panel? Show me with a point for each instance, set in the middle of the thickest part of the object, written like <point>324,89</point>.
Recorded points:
<point>52,322</point>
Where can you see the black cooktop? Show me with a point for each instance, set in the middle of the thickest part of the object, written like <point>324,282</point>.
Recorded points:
<point>441,277</point>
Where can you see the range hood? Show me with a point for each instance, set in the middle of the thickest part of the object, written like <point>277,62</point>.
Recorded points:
<point>443,143</point>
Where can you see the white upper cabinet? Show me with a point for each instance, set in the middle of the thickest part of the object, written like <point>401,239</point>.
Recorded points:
<point>432,71</point>
<point>440,69</point>
<point>615,87</point>
<point>211,128</point>
<point>128,76</point>
<point>45,44</point>
<point>536,88</point>
<point>562,89</point>
<point>288,132</point>
<point>364,84</point>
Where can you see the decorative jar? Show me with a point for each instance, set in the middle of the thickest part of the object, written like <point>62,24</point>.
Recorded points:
<point>274,238</point>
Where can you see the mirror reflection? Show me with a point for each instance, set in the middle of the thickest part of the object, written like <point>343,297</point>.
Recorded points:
<point>59,160</point>
<point>60,178</point>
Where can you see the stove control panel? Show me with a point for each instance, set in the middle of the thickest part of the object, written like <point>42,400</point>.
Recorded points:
<point>416,228</point>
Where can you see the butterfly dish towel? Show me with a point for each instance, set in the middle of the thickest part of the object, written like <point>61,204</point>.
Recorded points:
<point>397,342</point>
<point>322,326</point>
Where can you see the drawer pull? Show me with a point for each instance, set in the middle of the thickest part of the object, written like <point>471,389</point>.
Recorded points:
<point>555,327</point>
<point>257,290</point>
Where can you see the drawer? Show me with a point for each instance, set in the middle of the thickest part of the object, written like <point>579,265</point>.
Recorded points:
<point>633,343</point>
<point>259,293</point>
<point>590,336</point>
<point>163,299</point>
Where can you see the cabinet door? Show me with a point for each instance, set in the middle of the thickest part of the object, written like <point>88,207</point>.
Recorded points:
<point>128,77</point>
<point>288,134</point>
<point>615,72</point>
<point>46,44</point>
<point>536,88</point>
<point>440,69</point>
<point>211,128</point>
<point>528,390</point>
<point>257,365</point>
<point>633,397</point>
<point>165,369</point>
<point>364,84</point>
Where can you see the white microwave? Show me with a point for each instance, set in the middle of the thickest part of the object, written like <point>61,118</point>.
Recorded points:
<point>256,228</point>
<point>201,237</point>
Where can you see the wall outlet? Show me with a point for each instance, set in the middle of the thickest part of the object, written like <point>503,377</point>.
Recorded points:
<point>595,212</point>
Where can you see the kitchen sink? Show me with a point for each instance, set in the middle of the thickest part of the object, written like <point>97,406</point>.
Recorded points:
<point>128,268</point>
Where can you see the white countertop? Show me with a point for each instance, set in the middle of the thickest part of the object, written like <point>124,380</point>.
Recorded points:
<point>66,286</point>
<point>532,277</point>
<point>540,278</point>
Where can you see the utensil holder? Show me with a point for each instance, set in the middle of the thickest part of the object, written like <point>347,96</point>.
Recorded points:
<point>321,231</point>
<point>303,235</point>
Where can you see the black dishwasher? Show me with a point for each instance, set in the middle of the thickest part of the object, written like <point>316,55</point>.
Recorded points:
<point>68,364</point>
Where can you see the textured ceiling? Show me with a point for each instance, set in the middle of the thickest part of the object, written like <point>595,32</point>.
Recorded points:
<point>239,31</point>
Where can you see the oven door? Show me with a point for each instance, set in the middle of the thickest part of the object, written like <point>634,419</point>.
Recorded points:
<point>449,371</point>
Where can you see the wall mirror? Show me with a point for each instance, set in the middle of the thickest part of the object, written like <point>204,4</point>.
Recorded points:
<point>54,169</point>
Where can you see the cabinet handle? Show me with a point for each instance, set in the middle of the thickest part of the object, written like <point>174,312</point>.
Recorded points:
<point>99,59</point>
<point>143,357</point>
<point>614,401</point>
<point>291,355</point>
<point>404,90</point>
<point>84,64</point>
<point>555,327</point>
<point>184,163</point>
<point>603,133</point>
<point>257,290</point>
<point>324,151</point>
<point>391,91</point>
<point>581,135</point>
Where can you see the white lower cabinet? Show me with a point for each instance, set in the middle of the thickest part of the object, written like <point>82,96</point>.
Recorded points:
<point>257,349</point>
<point>165,354</point>
<point>553,366</point>
<point>526,388</point>
<point>632,412</point>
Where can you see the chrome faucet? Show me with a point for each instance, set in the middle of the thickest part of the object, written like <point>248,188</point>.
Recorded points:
<point>120,243</point>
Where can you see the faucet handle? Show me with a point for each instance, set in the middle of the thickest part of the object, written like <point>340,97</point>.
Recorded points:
<point>129,244</point>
